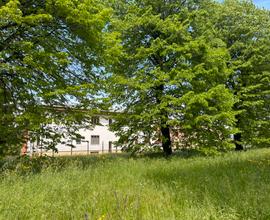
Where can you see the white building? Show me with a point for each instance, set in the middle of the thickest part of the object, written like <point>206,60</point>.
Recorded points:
<point>97,140</point>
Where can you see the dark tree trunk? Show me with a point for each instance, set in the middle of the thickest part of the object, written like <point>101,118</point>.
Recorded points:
<point>158,60</point>
<point>238,136</point>
<point>166,140</point>
<point>164,127</point>
<point>237,141</point>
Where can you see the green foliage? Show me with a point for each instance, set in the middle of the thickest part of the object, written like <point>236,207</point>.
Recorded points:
<point>49,54</point>
<point>170,72</point>
<point>195,68</point>
<point>231,187</point>
<point>246,30</point>
<point>25,165</point>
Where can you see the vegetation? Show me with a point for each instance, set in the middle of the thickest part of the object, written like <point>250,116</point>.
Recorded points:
<point>246,32</point>
<point>171,73</point>
<point>109,187</point>
<point>198,69</point>
<point>42,64</point>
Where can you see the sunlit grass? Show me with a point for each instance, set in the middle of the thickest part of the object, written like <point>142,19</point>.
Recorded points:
<point>234,186</point>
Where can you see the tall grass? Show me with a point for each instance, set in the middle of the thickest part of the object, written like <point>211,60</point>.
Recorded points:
<point>234,186</point>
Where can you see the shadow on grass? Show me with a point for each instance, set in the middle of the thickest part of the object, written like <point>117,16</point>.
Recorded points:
<point>23,165</point>
<point>185,153</point>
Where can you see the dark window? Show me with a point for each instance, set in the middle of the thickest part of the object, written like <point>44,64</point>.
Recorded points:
<point>95,120</point>
<point>78,141</point>
<point>94,139</point>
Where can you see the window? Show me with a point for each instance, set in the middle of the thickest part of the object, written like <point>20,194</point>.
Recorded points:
<point>78,141</point>
<point>94,139</point>
<point>95,120</point>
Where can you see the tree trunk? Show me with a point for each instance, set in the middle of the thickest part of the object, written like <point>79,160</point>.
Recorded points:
<point>166,140</point>
<point>164,127</point>
<point>237,140</point>
<point>238,136</point>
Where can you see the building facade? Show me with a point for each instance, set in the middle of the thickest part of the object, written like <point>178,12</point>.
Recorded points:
<point>97,140</point>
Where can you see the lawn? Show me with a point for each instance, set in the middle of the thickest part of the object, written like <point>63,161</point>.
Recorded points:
<point>232,186</point>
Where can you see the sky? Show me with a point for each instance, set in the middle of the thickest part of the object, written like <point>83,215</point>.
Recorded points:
<point>262,3</point>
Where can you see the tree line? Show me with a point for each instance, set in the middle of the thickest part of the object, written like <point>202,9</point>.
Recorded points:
<point>195,68</point>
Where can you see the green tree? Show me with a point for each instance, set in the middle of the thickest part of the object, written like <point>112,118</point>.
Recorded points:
<point>246,31</point>
<point>49,54</point>
<point>168,71</point>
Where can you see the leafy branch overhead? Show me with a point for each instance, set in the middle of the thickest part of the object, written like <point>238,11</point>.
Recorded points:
<point>182,73</point>
<point>171,72</point>
<point>49,53</point>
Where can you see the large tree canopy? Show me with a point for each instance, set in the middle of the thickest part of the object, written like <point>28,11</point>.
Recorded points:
<point>194,69</point>
<point>170,74</point>
<point>246,31</point>
<point>49,54</point>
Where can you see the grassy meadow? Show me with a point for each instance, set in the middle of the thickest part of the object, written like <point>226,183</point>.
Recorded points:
<point>232,186</point>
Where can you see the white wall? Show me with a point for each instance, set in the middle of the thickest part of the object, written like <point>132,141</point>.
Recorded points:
<point>105,136</point>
